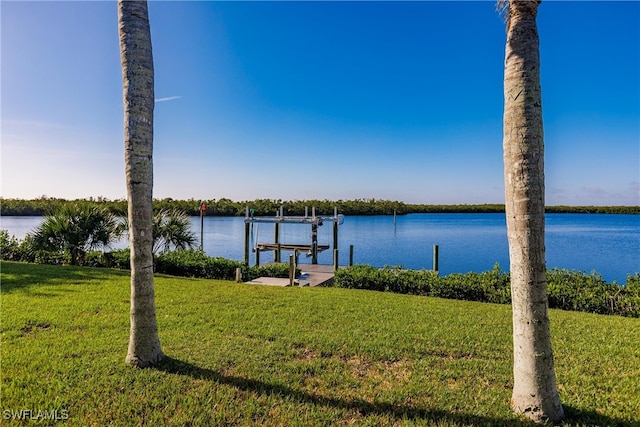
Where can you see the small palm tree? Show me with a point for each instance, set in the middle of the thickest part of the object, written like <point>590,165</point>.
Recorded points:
<point>172,228</point>
<point>76,228</point>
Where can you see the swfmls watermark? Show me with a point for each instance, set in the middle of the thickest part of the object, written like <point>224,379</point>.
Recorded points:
<point>35,414</point>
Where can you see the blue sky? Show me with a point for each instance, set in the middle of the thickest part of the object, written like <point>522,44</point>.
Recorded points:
<point>319,100</point>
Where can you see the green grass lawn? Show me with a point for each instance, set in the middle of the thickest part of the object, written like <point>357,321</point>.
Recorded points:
<point>253,355</point>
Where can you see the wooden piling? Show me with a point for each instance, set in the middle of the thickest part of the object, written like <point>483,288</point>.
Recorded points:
<point>246,236</point>
<point>335,238</point>
<point>314,238</point>
<point>435,258</point>
<point>201,227</point>
<point>276,236</point>
<point>292,270</point>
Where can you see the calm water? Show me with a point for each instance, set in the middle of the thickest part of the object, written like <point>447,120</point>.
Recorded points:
<point>608,244</point>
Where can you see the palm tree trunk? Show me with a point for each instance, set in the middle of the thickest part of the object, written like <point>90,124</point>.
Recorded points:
<point>534,391</point>
<point>137,75</point>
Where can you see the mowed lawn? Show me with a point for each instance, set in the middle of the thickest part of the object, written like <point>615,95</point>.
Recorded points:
<point>255,355</point>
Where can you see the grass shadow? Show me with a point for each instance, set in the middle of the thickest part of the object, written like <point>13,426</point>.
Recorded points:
<point>17,276</point>
<point>397,412</point>
<point>577,416</point>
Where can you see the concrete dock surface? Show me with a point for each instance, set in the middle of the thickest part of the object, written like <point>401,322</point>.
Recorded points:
<point>311,275</point>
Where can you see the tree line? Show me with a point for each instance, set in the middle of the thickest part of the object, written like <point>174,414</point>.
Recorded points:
<point>268,207</point>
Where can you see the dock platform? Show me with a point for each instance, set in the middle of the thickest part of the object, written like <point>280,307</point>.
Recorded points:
<point>311,275</point>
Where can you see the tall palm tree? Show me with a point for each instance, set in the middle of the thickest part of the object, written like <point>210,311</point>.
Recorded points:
<point>138,96</point>
<point>75,229</point>
<point>535,392</point>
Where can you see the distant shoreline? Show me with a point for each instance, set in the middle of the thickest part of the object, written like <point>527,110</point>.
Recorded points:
<point>269,207</point>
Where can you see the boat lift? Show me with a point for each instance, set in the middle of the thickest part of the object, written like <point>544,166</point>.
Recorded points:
<point>312,250</point>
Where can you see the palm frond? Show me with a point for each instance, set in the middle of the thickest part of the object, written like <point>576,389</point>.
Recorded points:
<point>502,7</point>
<point>172,228</point>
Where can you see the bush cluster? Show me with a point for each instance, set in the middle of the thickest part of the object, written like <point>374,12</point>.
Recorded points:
<point>14,249</point>
<point>567,290</point>
<point>193,263</point>
<point>574,290</point>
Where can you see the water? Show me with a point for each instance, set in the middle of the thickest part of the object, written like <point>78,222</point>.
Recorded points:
<point>608,244</point>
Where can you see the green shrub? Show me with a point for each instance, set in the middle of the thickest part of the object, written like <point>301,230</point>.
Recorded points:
<point>361,276</point>
<point>496,285</point>
<point>629,303</point>
<point>188,263</point>
<point>9,247</point>
<point>459,286</point>
<point>567,290</point>
<point>49,257</point>
<point>119,258</point>
<point>575,290</point>
<point>416,282</point>
<point>389,279</point>
<point>194,263</point>
<point>94,259</point>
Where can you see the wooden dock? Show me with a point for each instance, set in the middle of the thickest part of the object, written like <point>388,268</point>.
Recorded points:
<point>290,247</point>
<point>311,275</point>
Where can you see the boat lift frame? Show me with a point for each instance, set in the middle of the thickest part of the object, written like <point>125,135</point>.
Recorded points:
<point>312,250</point>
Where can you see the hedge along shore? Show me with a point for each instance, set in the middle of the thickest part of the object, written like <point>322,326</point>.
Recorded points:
<point>567,290</point>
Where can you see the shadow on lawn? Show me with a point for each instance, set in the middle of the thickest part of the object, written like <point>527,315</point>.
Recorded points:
<point>396,411</point>
<point>19,276</point>
<point>574,416</point>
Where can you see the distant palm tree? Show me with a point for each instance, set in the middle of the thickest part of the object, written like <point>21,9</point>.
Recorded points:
<point>535,393</point>
<point>138,97</point>
<point>172,228</point>
<point>76,228</point>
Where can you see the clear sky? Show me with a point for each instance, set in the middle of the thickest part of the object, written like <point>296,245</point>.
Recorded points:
<point>318,100</point>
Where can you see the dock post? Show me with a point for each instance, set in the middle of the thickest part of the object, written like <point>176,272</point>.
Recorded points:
<point>257,257</point>
<point>335,260</point>
<point>314,237</point>
<point>202,208</point>
<point>435,258</point>
<point>335,228</point>
<point>292,270</point>
<point>276,255</point>
<point>350,255</point>
<point>246,236</point>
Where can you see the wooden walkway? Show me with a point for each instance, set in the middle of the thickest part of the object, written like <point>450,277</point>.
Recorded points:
<point>287,247</point>
<point>311,275</point>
